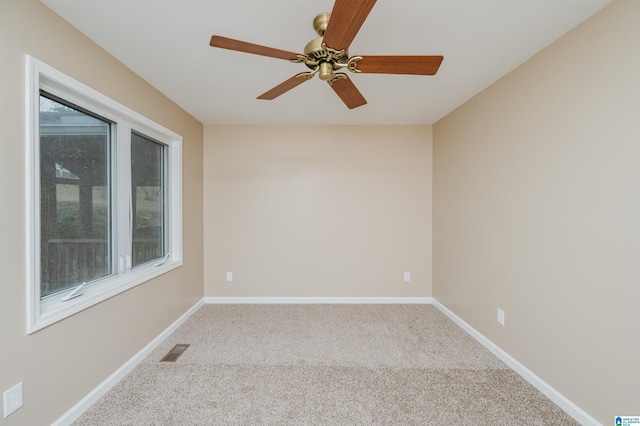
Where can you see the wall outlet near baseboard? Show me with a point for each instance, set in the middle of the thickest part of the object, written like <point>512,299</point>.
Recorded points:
<point>500,316</point>
<point>407,276</point>
<point>229,277</point>
<point>12,399</point>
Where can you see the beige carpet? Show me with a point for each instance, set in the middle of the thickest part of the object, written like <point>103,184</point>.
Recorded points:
<point>323,365</point>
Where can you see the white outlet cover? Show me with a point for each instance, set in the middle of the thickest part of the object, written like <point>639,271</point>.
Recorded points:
<point>500,316</point>
<point>12,399</point>
<point>229,276</point>
<point>407,276</point>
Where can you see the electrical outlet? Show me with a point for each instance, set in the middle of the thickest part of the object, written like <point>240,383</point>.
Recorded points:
<point>12,399</point>
<point>229,276</point>
<point>407,276</point>
<point>500,316</point>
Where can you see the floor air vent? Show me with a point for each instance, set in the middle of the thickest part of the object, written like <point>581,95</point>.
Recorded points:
<point>174,353</point>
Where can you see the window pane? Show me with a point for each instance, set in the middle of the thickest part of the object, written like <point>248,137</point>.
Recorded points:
<point>75,210</point>
<point>148,196</point>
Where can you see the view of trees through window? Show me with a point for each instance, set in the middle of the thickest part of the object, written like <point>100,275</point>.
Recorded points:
<point>75,187</point>
<point>148,197</point>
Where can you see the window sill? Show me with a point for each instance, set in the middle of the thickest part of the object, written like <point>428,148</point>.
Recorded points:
<point>54,309</point>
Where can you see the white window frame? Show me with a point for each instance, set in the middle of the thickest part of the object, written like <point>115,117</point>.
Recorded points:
<point>42,313</point>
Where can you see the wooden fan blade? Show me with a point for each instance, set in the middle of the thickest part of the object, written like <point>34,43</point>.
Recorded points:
<point>256,49</point>
<point>418,65</point>
<point>284,87</point>
<point>346,19</point>
<point>348,92</point>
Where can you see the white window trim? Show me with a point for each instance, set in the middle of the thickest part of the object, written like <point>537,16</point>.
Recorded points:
<point>42,313</point>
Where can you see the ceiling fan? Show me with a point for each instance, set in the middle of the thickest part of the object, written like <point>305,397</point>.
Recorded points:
<point>329,52</point>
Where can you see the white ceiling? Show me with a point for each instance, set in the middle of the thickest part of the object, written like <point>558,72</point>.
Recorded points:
<point>166,42</point>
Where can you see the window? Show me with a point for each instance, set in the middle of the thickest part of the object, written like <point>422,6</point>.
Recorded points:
<point>147,190</point>
<point>75,206</point>
<point>104,197</point>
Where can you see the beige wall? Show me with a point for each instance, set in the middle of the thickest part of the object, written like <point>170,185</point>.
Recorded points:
<point>317,211</point>
<point>537,211</point>
<point>62,363</point>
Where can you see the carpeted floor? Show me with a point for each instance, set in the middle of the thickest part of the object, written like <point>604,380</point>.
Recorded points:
<point>323,365</point>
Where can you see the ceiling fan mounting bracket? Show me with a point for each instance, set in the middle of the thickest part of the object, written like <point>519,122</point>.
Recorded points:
<point>352,64</point>
<point>308,75</point>
<point>304,59</point>
<point>336,77</point>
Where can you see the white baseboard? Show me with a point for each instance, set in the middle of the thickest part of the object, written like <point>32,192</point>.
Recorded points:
<point>560,400</point>
<point>317,300</point>
<point>83,405</point>
<point>569,407</point>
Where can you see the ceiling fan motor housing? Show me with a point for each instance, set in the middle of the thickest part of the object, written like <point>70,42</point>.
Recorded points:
<point>324,54</point>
